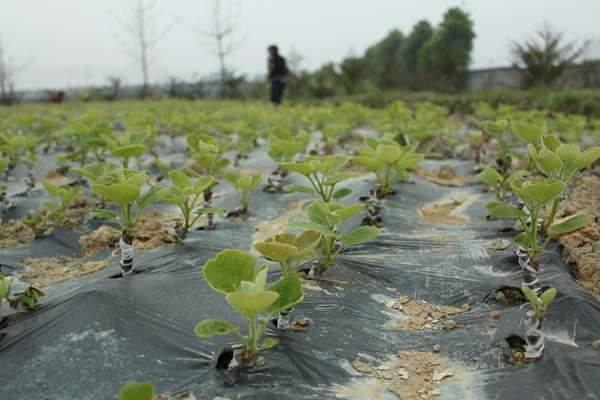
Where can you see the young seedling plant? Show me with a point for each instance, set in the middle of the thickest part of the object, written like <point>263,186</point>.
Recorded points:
<point>389,162</point>
<point>534,337</point>
<point>187,193</point>
<point>244,185</point>
<point>536,197</point>
<point>5,286</point>
<point>5,204</point>
<point>284,146</point>
<point>126,145</point>
<point>209,160</point>
<point>137,391</point>
<point>234,274</point>
<point>330,219</point>
<point>323,173</point>
<point>124,189</point>
<point>28,298</point>
<point>62,198</point>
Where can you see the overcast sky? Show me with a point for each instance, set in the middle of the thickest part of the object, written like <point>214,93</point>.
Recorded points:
<point>79,42</point>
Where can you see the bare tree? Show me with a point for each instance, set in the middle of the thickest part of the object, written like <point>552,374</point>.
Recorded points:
<point>223,23</point>
<point>295,59</point>
<point>8,70</point>
<point>140,24</point>
<point>546,56</point>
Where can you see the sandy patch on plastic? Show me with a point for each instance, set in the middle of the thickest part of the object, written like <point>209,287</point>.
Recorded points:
<point>267,228</point>
<point>448,211</point>
<point>445,176</point>
<point>421,315</point>
<point>408,376</point>
<point>45,271</point>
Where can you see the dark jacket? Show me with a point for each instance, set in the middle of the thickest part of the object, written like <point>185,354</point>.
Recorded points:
<point>277,67</point>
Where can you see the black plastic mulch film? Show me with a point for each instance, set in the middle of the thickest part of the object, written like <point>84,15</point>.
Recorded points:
<point>95,333</point>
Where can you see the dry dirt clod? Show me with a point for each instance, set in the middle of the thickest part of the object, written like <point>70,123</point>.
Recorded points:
<point>424,316</point>
<point>436,348</point>
<point>445,176</point>
<point>14,232</point>
<point>42,272</point>
<point>497,244</point>
<point>596,344</point>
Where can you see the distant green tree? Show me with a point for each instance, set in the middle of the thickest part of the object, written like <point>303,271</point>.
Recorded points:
<point>545,57</point>
<point>447,54</point>
<point>384,60</point>
<point>352,70</point>
<point>420,34</point>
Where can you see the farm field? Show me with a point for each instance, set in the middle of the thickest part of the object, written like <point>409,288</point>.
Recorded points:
<point>237,250</point>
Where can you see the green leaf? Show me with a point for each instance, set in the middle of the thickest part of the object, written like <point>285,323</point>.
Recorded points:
<point>137,391</point>
<point>539,193</point>
<point>551,142</point>
<point>51,188</point>
<point>389,154</point>
<point>132,150</point>
<point>549,163</point>
<point>567,152</point>
<point>569,224</point>
<point>298,188</point>
<point>300,168</point>
<point>307,241</point>
<point>503,210</point>
<point>5,285</point>
<point>211,210</point>
<point>228,269</point>
<point>489,176</point>
<point>289,290</point>
<point>586,158</point>
<point>341,193</point>
<point>368,163</point>
<point>548,296</point>
<point>251,304</point>
<point>268,343</point>
<point>279,252</point>
<point>528,132</point>
<point>213,327</point>
<point>117,192</point>
<point>332,164</point>
<point>524,240</point>
<point>343,214</point>
<point>318,213</point>
<point>530,295</point>
<point>154,194</point>
<point>360,234</point>
<point>104,213</point>
<point>179,179</point>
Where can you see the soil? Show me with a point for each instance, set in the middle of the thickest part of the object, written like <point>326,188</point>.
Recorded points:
<point>445,176</point>
<point>582,248</point>
<point>424,316</point>
<point>77,213</point>
<point>267,228</point>
<point>447,212</point>
<point>409,376</point>
<point>509,296</point>
<point>42,272</point>
<point>150,233</point>
<point>98,240</point>
<point>13,233</point>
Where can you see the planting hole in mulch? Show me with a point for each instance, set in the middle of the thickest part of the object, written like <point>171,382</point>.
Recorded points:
<point>424,316</point>
<point>448,211</point>
<point>507,295</point>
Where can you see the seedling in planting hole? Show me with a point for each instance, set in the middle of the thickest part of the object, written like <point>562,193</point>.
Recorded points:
<point>28,298</point>
<point>283,148</point>
<point>62,198</point>
<point>534,336</point>
<point>126,145</point>
<point>186,193</point>
<point>389,162</point>
<point>497,182</point>
<point>234,273</point>
<point>290,250</point>
<point>323,173</point>
<point>330,219</point>
<point>243,184</point>
<point>37,223</point>
<point>208,156</point>
<point>536,196</point>
<point>560,162</point>
<point>124,188</point>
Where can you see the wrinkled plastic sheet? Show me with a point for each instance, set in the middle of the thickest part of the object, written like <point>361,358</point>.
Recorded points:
<point>95,333</point>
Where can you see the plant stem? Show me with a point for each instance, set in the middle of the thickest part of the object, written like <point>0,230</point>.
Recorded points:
<point>552,214</point>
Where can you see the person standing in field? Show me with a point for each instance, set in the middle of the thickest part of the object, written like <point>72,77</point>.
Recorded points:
<point>277,75</point>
